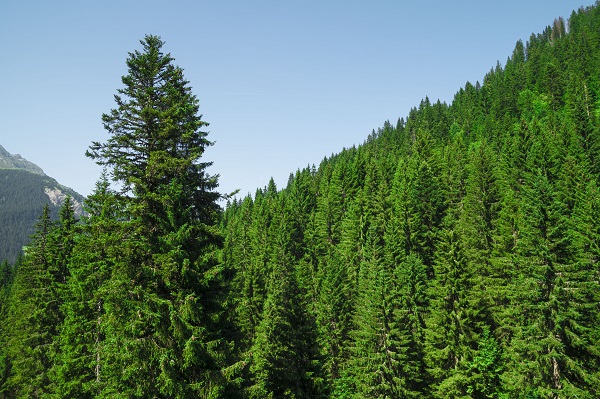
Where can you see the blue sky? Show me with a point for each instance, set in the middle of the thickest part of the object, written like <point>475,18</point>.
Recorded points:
<point>282,84</point>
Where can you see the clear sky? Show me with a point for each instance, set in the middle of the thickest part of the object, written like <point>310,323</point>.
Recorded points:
<point>282,83</point>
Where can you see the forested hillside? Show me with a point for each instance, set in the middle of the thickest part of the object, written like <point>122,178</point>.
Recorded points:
<point>453,254</point>
<point>10,161</point>
<point>23,194</point>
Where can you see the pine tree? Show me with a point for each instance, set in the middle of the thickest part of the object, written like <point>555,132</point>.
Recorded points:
<point>411,283</point>
<point>333,316</point>
<point>377,352</point>
<point>284,352</point>
<point>162,304</point>
<point>33,316</point>
<point>453,322</point>
<point>6,274</point>
<point>79,368</point>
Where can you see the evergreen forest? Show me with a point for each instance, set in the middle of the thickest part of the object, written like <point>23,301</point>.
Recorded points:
<point>22,198</point>
<point>453,254</point>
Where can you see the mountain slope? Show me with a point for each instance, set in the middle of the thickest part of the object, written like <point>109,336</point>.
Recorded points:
<point>24,189</point>
<point>10,161</point>
<point>452,255</point>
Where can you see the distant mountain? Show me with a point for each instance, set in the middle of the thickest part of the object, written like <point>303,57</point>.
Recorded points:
<point>10,161</point>
<point>24,189</point>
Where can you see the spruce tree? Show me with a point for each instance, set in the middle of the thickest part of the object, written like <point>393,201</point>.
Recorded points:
<point>411,283</point>
<point>78,371</point>
<point>453,321</point>
<point>33,316</point>
<point>333,316</point>
<point>237,255</point>
<point>481,262</point>
<point>6,273</point>
<point>162,306</point>
<point>375,368</point>
<point>284,351</point>
<point>380,360</point>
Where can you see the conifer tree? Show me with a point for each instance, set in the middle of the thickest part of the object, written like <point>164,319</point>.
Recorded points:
<point>78,371</point>
<point>238,255</point>
<point>380,345</point>
<point>353,239</point>
<point>256,268</point>
<point>418,205</point>
<point>463,243</point>
<point>481,206</point>
<point>377,354</point>
<point>453,321</point>
<point>275,357</point>
<point>284,348</point>
<point>486,368</point>
<point>63,240</point>
<point>411,283</point>
<point>5,274</point>
<point>542,257</point>
<point>162,303</point>
<point>333,316</point>
<point>582,326</point>
<point>33,317</point>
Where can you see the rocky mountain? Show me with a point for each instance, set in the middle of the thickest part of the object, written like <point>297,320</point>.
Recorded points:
<point>24,190</point>
<point>10,161</point>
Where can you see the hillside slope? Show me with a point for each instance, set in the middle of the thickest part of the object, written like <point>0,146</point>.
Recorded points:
<point>15,161</point>
<point>24,189</point>
<point>453,254</point>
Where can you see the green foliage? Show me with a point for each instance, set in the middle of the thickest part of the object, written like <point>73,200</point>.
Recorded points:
<point>22,198</point>
<point>453,255</point>
<point>162,304</point>
<point>78,369</point>
<point>486,368</point>
<point>33,313</point>
<point>333,316</point>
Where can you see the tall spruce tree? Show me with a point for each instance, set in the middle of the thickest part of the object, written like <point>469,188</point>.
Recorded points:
<point>78,371</point>
<point>377,353</point>
<point>284,351</point>
<point>6,274</point>
<point>162,299</point>
<point>453,321</point>
<point>33,315</point>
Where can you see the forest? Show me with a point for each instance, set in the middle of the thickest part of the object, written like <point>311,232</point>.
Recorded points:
<point>22,198</point>
<point>453,254</point>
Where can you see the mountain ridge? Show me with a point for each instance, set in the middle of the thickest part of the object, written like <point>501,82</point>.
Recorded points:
<point>16,161</point>
<point>24,190</point>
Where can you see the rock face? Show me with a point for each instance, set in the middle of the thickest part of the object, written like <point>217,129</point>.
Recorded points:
<point>57,197</point>
<point>10,161</point>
